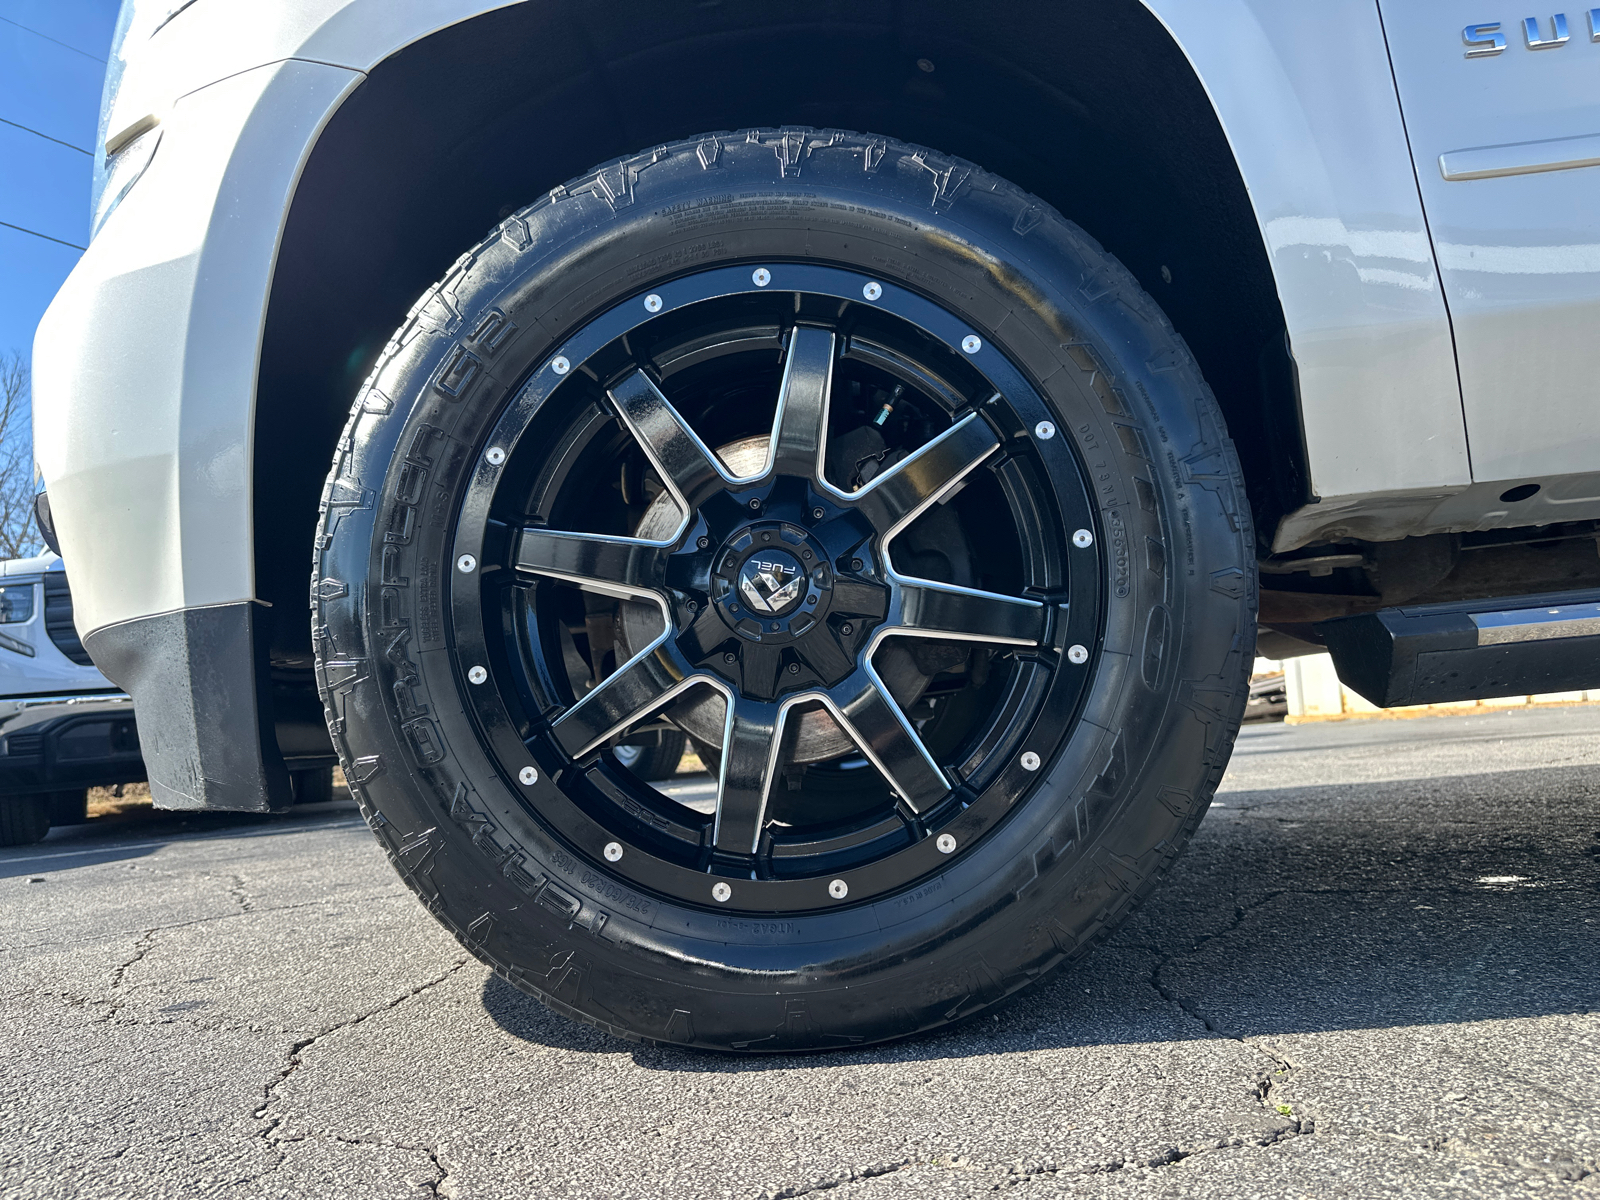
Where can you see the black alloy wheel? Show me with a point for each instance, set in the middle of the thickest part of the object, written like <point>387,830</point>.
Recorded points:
<point>761,616</point>
<point>869,518</point>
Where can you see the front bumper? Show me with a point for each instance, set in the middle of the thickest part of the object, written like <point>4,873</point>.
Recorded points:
<point>145,363</point>
<point>144,414</point>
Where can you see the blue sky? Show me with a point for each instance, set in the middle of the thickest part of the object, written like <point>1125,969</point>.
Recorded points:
<point>43,186</point>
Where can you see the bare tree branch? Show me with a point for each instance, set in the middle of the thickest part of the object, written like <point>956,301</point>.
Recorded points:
<point>19,538</point>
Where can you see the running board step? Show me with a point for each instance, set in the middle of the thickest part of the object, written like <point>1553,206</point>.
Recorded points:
<point>1469,650</point>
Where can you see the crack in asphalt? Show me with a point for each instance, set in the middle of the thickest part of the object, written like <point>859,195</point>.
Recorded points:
<point>1305,1123</point>
<point>299,1048</point>
<point>1024,1171</point>
<point>433,1185</point>
<point>241,893</point>
<point>142,947</point>
<point>1169,1157</point>
<point>839,1179</point>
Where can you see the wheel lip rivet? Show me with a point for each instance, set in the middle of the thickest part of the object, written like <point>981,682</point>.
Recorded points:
<point>477,675</point>
<point>761,277</point>
<point>528,776</point>
<point>1044,431</point>
<point>838,889</point>
<point>1078,654</point>
<point>466,564</point>
<point>946,843</point>
<point>613,851</point>
<point>972,343</point>
<point>873,290</point>
<point>1029,760</point>
<point>494,456</point>
<point>721,893</point>
<point>560,365</point>
<point>652,303</point>
<point>1083,539</point>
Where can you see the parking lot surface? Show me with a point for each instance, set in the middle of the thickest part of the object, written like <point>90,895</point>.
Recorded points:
<point>1376,972</point>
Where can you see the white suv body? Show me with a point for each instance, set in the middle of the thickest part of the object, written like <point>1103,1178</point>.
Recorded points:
<point>1422,193</point>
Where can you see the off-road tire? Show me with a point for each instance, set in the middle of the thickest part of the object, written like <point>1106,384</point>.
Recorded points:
<point>1108,813</point>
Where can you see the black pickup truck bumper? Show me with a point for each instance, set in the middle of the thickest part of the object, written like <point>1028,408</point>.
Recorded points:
<point>56,745</point>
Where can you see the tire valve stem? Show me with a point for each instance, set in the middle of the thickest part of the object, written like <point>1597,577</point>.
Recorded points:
<point>888,406</point>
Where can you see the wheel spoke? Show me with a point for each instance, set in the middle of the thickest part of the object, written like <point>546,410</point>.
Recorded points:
<point>866,711</point>
<point>636,689</point>
<point>894,499</point>
<point>624,567</point>
<point>801,423</point>
<point>686,465</point>
<point>943,610</point>
<point>752,738</point>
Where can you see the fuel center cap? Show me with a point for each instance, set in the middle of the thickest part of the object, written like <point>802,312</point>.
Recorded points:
<point>771,583</point>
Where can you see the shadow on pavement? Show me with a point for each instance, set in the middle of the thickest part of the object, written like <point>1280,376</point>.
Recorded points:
<point>1296,910</point>
<point>140,832</point>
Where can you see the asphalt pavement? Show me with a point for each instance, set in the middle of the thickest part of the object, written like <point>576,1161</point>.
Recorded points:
<point>1376,972</point>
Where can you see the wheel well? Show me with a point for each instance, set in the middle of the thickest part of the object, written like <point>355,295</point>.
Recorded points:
<point>1090,106</point>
